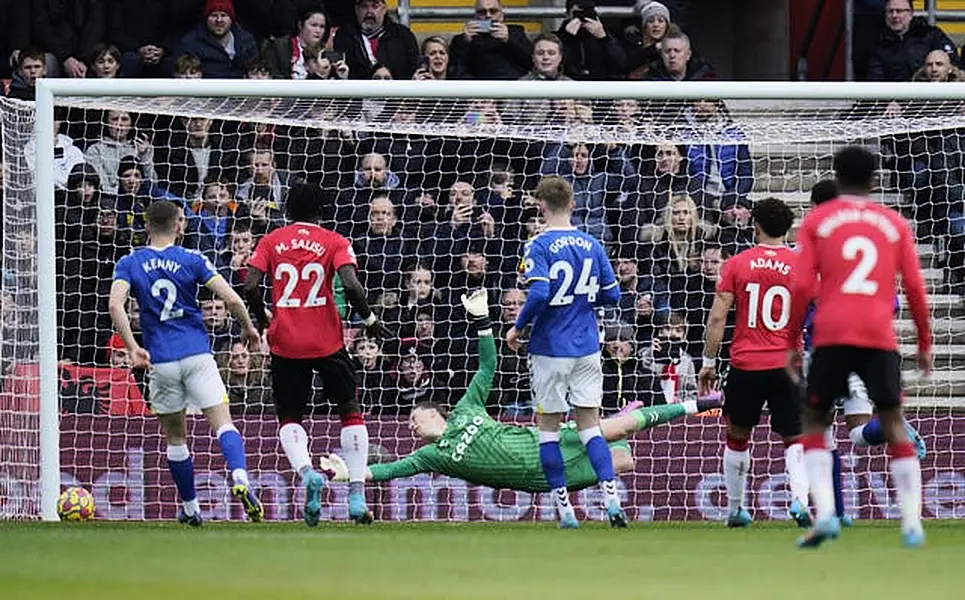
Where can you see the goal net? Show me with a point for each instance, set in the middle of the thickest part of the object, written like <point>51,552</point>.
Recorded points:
<point>435,195</point>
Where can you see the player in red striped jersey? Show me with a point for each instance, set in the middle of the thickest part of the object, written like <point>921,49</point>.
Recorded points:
<point>852,251</point>
<point>757,282</point>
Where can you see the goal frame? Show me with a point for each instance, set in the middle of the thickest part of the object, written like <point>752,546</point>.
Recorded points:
<point>49,90</point>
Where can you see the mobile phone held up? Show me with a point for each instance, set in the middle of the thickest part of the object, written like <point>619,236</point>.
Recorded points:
<point>484,25</point>
<point>334,57</point>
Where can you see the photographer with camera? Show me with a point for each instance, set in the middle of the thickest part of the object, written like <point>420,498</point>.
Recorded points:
<point>590,52</point>
<point>667,359</point>
<point>488,48</point>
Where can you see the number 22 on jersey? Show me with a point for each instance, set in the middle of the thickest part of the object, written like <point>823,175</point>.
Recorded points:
<point>289,275</point>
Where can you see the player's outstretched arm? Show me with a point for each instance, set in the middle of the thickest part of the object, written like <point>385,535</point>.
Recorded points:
<point>477,305</point>
<point>713,336</point>
<point>235,306</point>
<point>117,306</point>
<point>356,298</point>
<point>917,296</point>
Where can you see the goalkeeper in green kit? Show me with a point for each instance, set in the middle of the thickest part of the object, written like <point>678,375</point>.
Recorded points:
<point>468,444</point>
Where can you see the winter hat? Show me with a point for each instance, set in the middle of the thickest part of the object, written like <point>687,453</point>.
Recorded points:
<point>225,6</point>
<point>83,172</point>
<point>126,164</point>
<point>653,9</point>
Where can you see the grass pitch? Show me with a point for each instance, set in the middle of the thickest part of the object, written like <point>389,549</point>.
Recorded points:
<point>491,561</point>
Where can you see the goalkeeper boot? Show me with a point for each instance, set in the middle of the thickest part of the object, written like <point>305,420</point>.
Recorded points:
<point>253,507</point>
<point>314,483</point>
<point>194,520</point>
<point>916,441</point>
<point>913,538</point>
<point>630,407</point>
<point>738,518</point>
<point>800,514</point>
<point>618,517</point>
<point>358,511</point>
<point>822,531</point>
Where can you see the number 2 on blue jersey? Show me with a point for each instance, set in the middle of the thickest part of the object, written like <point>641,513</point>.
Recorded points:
<point>166,288</point>
<point>586,285</point>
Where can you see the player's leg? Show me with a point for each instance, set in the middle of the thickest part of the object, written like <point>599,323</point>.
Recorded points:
<point>548,376</point>
<point>624,425</point>
<point>586,396</point>
<point>168,402</point>
<point>827,381</point>
<point>864,428</point>
<point>743,402</point>
<point>882,374</point>
<point>338,377</point>
<point>206,392</point>
<point>784,401</point>
<point>291,383</point>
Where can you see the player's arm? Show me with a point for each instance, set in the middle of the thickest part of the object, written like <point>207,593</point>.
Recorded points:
<point>258,264</point>
<point>117,306</point>
<point>235,306</point>
<point>477,306</point>
<point>609,286</point>
<point>803,286</point>
<point>418,462</point>
<point>713,336</point>
<point>914,286</point>
<point>536,276</point>
<point>355,295</point>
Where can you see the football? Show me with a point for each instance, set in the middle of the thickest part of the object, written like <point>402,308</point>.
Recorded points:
<point>75,504</point>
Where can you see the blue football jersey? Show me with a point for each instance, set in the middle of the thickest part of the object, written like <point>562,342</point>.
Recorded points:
<point>576,267</point>
<point>165,283</point>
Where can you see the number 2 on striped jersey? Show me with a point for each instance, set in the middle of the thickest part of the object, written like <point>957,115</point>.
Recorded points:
<point>866,252</point>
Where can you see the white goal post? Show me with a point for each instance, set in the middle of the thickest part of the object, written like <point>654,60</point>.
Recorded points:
<point>52,92</point>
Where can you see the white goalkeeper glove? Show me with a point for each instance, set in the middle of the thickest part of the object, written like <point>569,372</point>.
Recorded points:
<point>477,303</point>
<point>334,467</point>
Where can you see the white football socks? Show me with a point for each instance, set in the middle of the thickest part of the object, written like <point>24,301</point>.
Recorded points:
<point>907,476</point>
<point>736,466</point>
<point>294,441</point>
<point>797,477</point>
<point>818,465</point>
<point>355,451</point>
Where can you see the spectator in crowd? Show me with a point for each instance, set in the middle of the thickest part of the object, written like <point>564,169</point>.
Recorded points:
<point>222,46</point>
<point>258,69</point>
<point>699,296</point>
<point>675,253</point>
<point>644,51</point>
<point>246,379</point>
<point>624,378</point>
<point>104,61</point>
<point>286,56</point>
<point>31,66</point>
<point>414,383</point>
<point>736,229</point>
<point>194,154</point>
<point>374,39</point>
<point>148,33</point>
<point>66,155</point>
<point>320,64</point>
<point>435,59</point>
<point>904,44</point>
<point>265,190</point>
<point>473,273</point>
<point>547,66</point>
<point>678,62</point>
<point>589,51</point>
<point>717,169</point>
<point>643,299</point>
<point>232,260</point>
<point>188,66</point>
<point>511,383</point>
<point>665,177</point>
<point>465,221</point>
<point>70,30</point>
<point>352,205</point>
<point>385,246</point>
<point>488,48</point>
<point>593,192</point>
<point>216,211</point>
<point>372,374</point>
<point>119,139</point>
<point>15,32</point>
<point>419,293</point>
<point>216,320</point>
<point>135,192</point>
<point>667,358</point>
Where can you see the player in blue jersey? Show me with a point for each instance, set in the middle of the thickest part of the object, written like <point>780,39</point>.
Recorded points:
<point>164,277</point>
<point>569,276</point>
<point>864,428</point>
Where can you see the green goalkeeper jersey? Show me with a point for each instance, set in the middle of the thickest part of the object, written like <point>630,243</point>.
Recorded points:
<point>480,450</point>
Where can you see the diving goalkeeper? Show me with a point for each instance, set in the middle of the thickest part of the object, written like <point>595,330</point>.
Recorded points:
<point>468,444</point>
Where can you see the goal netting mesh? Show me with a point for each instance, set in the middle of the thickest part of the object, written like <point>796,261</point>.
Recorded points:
<point>435,196</point>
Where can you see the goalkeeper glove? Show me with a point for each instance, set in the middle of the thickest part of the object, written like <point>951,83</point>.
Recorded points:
<point>477,305</point>
<point>334,467</point>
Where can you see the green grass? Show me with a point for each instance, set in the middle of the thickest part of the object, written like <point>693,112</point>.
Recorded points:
<point>467,561</point>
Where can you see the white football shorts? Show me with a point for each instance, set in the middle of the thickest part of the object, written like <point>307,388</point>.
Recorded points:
<point>193,381</point>
<point>559,383</point>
